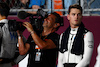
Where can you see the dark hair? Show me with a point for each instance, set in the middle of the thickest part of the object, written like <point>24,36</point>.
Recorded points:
<point>4,9</point>
<point>74,6</point>
<point>58,18</point>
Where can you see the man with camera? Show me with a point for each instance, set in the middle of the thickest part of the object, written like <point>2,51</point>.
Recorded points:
<point>41,46</point>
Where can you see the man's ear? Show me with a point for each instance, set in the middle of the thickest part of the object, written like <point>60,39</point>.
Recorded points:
<point>56,25</point>
<point>68,17</point>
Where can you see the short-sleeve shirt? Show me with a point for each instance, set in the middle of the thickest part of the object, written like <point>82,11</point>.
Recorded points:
<point>48,56</point>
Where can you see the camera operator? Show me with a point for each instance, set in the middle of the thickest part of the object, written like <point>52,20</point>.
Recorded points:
<point>42,47</point>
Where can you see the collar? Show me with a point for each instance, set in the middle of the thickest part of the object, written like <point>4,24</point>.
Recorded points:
<point>4,21</point>
<point>74,30</point>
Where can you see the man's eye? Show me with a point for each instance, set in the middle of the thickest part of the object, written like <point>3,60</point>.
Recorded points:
<point>73,14</point>
<point>79,14</point>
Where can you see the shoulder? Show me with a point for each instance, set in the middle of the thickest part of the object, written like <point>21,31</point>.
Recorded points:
<point>88,38</point>
<point>53,36</point>
<point>62,34</point>
<point>89,34</point>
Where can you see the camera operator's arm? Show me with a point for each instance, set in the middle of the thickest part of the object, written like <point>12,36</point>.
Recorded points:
<point>23,49</point>
<point>49,44</point>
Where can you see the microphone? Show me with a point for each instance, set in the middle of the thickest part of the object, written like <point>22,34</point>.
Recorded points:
<point>23,14</point>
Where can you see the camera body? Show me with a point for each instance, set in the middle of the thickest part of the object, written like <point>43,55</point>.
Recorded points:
<point>36,20</point>
<point>14,25</point>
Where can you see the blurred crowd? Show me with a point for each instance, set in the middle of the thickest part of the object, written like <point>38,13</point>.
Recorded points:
<point>35,4</point>
<point>50,4</point>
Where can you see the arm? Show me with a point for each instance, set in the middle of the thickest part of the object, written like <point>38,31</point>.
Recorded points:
<point>60,55</point>
<point>23,49</point>
<point>0,32</point>
<point>97,64</point>
<point>33,5</point>
<point>88,49</point>
<point>36,7</point>
<point>49,44</point>
<point>0,38</point>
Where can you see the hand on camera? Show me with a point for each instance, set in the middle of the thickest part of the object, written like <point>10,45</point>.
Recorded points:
<point>28,26</point>
<point>19,32</point>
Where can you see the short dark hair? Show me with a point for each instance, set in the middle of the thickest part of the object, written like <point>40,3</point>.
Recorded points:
<point>58,19</point>
<point>74,6</point>
<point>4,9</point>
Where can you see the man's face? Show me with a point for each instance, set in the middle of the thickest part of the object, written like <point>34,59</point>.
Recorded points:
<point>74,17</point>
<point>49,21</point>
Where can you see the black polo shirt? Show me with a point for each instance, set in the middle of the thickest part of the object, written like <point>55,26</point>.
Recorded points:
<point>48,56</point>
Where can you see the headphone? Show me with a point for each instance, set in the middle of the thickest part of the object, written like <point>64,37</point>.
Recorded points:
<point>56,25</point>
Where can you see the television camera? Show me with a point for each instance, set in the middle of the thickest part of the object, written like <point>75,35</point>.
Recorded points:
<point>36,20</point>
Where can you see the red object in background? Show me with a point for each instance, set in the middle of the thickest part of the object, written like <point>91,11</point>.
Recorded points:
<point>58,5</point>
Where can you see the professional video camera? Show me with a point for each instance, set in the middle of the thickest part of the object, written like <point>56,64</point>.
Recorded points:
<point>14,25</point>
<point>35,19</point>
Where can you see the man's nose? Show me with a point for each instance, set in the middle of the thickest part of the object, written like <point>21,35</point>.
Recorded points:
<point>76,16</point>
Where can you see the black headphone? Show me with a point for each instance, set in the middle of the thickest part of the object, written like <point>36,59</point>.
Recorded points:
<point>56,25</point>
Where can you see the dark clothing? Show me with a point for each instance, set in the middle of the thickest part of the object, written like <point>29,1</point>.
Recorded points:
<point>78,44</point>
<point>18,5</point>
<point>48,56</point>
<point>70,64</point>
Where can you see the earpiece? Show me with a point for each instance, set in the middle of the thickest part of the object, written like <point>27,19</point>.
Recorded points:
<point>56,25</point>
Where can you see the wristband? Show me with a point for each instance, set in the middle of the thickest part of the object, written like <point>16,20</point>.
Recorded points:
<point>32,32</point>
<point>19,37</point>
